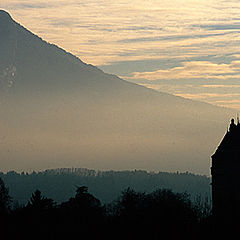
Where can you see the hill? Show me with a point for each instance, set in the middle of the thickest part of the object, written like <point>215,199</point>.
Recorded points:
<point>61,184</point>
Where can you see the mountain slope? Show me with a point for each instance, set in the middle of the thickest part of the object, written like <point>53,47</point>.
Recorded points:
<point>57,111</point>
<point>40,65</point>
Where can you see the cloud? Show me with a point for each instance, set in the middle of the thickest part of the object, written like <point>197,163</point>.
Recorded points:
<point>32,5</point>
<point>233,26</point>
<point>24,5</point>
<point>225,100</point>
<point>221,86</point>
<point>193,70</point>
<point>170,38</point>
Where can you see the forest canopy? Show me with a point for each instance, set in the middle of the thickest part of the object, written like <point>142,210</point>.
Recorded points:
<point>60,184</point>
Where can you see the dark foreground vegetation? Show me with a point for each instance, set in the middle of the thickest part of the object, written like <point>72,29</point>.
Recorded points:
<point>133,215</point>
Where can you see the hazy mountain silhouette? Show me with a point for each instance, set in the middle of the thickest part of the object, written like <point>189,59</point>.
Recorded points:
<point>57,111</point>
<point>39,65</point>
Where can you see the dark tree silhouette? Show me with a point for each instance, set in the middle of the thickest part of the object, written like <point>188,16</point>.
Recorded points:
<point>134,215</point>
<point>5,203</point>
<point>82,214</point>
<point>35,219</point>
<point>38,202</point>
<point>83,200</point>
<point>5,199</point>
<point>129,203</point>
<point>152,216</point>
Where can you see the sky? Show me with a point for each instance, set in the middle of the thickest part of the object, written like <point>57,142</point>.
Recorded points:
<point>189,48</point>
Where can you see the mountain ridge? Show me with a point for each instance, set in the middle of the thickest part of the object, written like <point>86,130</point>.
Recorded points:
<point>5,15</point>
<point>58,111</point>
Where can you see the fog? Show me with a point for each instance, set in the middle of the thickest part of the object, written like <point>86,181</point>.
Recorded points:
<point>49,132</point>
<point>57,111</point>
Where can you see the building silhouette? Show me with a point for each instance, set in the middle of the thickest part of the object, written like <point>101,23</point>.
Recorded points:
<point>225,173</point>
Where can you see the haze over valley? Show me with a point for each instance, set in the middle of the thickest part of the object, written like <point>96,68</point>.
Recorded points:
<point>57,111</point>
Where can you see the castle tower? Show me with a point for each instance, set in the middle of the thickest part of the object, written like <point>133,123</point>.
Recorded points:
<point>225,173</point>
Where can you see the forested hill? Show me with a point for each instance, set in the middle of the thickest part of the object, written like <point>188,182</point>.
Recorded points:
<point>60,184</point>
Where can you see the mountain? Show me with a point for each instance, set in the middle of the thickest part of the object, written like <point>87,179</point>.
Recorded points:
<point>57,111</point>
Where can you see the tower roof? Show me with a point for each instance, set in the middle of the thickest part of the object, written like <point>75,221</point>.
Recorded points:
<point>231,140</point>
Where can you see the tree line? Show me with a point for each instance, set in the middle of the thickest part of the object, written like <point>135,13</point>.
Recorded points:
<point>105,185</point>
<point>133,215</point>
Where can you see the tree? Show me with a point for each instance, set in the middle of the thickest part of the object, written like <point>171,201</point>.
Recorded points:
<point>129,202</point>
<point>38,202</point>
<point>5,199</point>
<point>82,214</point>
<point>83,201</point>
